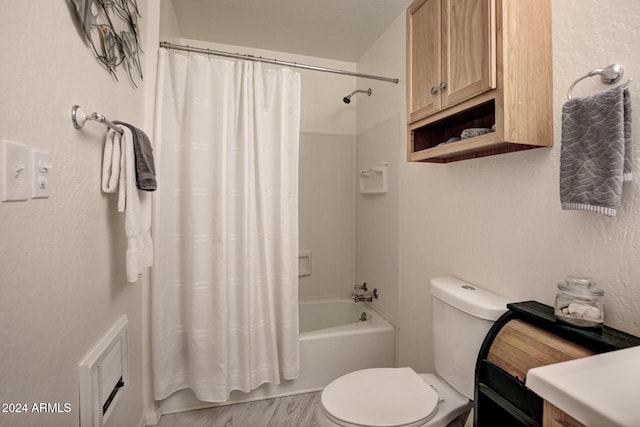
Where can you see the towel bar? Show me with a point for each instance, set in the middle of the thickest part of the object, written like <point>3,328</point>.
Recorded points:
<point>609,75</point>
<point>79,118</point>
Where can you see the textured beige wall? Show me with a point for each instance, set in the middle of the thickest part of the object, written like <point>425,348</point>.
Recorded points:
<point>62,280</point>
<point>496,221</point>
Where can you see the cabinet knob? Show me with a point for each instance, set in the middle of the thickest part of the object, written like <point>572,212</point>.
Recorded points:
<point>434,90</point>
<point>442,85</point>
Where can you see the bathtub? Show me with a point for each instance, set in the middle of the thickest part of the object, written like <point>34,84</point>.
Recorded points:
<point>333,342</point>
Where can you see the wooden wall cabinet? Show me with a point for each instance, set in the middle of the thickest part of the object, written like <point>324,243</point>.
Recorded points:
<point>451,53</point>
<point>478,63</point>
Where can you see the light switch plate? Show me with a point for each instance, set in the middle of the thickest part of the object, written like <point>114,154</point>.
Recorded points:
<point>15,171</point>
<point>41,174</point>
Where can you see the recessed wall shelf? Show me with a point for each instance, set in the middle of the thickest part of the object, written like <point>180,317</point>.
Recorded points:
<point>304,263</point>
<point>374,180</point>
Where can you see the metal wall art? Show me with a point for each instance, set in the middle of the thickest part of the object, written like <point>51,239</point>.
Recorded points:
<point>111,28</point>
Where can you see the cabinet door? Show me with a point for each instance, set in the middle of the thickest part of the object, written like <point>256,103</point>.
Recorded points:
<point>424,53</point>
<point>469,40</point>
<point>554,417</point>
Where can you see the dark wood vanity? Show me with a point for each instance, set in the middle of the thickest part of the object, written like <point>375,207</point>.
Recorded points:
<point>526,337</point>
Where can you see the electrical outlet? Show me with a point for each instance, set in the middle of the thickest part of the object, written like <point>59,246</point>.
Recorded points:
<point>16,171</point>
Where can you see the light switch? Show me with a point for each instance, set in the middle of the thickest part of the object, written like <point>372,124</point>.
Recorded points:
<point>41,174</point>
<point>16,171</point>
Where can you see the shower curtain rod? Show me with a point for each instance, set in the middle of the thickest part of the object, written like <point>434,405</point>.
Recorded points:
<point>168,45</point>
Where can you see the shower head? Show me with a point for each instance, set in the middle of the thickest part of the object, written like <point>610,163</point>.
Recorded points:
<point>347,99</point>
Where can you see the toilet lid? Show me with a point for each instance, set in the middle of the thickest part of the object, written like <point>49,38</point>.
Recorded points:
<point>380,397</point>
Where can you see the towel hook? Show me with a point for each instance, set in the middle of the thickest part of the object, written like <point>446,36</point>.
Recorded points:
<point>609,75</point>
<point>79,118</point>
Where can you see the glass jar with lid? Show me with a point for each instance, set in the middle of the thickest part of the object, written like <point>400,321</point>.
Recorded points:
<point>578,303</point>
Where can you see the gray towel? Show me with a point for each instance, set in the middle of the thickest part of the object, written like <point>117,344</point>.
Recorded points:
<point>143,152</point>
<point>596,155</point>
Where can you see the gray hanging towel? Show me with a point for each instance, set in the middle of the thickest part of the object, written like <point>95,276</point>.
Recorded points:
<point>596,156</point>
<point>145,166</point>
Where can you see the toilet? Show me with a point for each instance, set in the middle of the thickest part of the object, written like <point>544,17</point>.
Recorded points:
<point>393,397</point>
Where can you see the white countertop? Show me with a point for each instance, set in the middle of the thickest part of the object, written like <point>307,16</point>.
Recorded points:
<point>600,390</point>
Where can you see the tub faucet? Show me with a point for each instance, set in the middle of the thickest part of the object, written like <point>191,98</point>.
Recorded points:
<point>362,297</point>
<point>366,296</point>
<point>363,287</point>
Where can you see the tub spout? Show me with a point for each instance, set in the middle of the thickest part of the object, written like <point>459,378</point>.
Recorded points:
<point>365,298</point>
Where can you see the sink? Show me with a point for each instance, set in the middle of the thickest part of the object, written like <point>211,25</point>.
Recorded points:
<point>599,390</point>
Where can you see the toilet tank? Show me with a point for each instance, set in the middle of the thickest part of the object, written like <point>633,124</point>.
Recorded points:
<point>462,315</point>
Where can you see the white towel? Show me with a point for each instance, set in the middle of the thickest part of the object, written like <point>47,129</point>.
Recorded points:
<point>135,204</point>
<point>111,162</point>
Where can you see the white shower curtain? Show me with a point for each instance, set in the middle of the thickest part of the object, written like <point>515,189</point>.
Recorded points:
<point>225,281</point>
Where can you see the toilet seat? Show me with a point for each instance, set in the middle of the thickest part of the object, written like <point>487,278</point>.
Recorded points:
<point>380,397</point>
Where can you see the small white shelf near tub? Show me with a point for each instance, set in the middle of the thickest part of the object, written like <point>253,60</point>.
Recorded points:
<point>374,180</point>
<point>304,263</point>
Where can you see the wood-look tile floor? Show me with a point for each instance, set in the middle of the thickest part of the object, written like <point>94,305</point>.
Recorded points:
<point>290,411</point>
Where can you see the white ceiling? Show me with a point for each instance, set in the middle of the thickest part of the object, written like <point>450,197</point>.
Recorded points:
<point>335,29</point>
